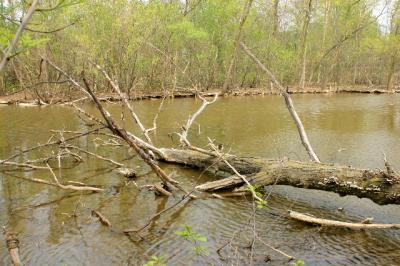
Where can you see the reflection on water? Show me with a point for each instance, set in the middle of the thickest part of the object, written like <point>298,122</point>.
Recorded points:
<point>352,129</point>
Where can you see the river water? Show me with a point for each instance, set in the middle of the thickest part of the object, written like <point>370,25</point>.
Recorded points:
<point>55,227</point>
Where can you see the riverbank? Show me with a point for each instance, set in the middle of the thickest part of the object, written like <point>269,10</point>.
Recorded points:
<point>27,98</point>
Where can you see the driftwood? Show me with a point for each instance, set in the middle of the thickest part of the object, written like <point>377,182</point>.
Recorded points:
<point>332,223</point>
<point>376,185</point>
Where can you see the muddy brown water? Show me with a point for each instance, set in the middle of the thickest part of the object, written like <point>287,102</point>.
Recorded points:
<point>345,128</point>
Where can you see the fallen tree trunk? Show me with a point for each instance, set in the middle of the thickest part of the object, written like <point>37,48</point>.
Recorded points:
<point>377,185</point>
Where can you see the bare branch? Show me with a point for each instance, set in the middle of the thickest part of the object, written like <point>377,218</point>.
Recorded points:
<point>57,142</point>
<point>253,193</point>
<point>331,223</point>
<point>156,117</point>
<point>185,129</point>
<point>23,165</point>
<point>71,187</point>
<point>95,155</point>
<point>126,102</point>
<point>289,104</point>
<point>102,218</point>
<point>131,141</point>
<point>73,81</point>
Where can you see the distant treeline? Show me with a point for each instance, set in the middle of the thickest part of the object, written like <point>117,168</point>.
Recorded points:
<point>157,45</point>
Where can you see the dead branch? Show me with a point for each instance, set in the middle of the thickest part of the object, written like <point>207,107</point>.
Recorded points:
<point>188,195</point>
<point>58,156</point>
<point>94,155</point>
<point>332,223</point>
<point>57,142</point>
<point>389,168</point>
<point>126,102</point>
<point>91,117</point>
<point>253,193</point>
<point>289,104</point>
<point>166,179</point>
<point>161,190</point>
<point>13,247</point>
<point>141,143</point>
<point>102,218</point>
<point>185,129</point>
<point>220,184</point>
<point>66,75</point>
<point>275,249</point>
<point>23,165</point>
<point>72,187</point>
<point>156,117</point>
<point>10,50</point>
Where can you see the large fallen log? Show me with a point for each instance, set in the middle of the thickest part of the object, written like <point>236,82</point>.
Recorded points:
<point>376,185</point>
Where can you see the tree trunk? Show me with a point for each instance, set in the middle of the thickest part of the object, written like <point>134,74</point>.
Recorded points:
<point>377,185</point>
<point>306,24</point>
<point>390,81</point>
<point>275,14</point>
<point>228,75</point>
<point>321,68</point>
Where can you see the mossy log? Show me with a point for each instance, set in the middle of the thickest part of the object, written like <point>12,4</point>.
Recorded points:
<point>377,185</point>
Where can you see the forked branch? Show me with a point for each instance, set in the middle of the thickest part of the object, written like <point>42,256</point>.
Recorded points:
<point>185,129</point>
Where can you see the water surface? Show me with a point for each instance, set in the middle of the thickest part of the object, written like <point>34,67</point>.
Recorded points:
<point>343,128</point>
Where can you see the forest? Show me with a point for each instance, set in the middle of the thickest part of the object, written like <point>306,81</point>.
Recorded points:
<point>199,132</point>
<point>181,45</point>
